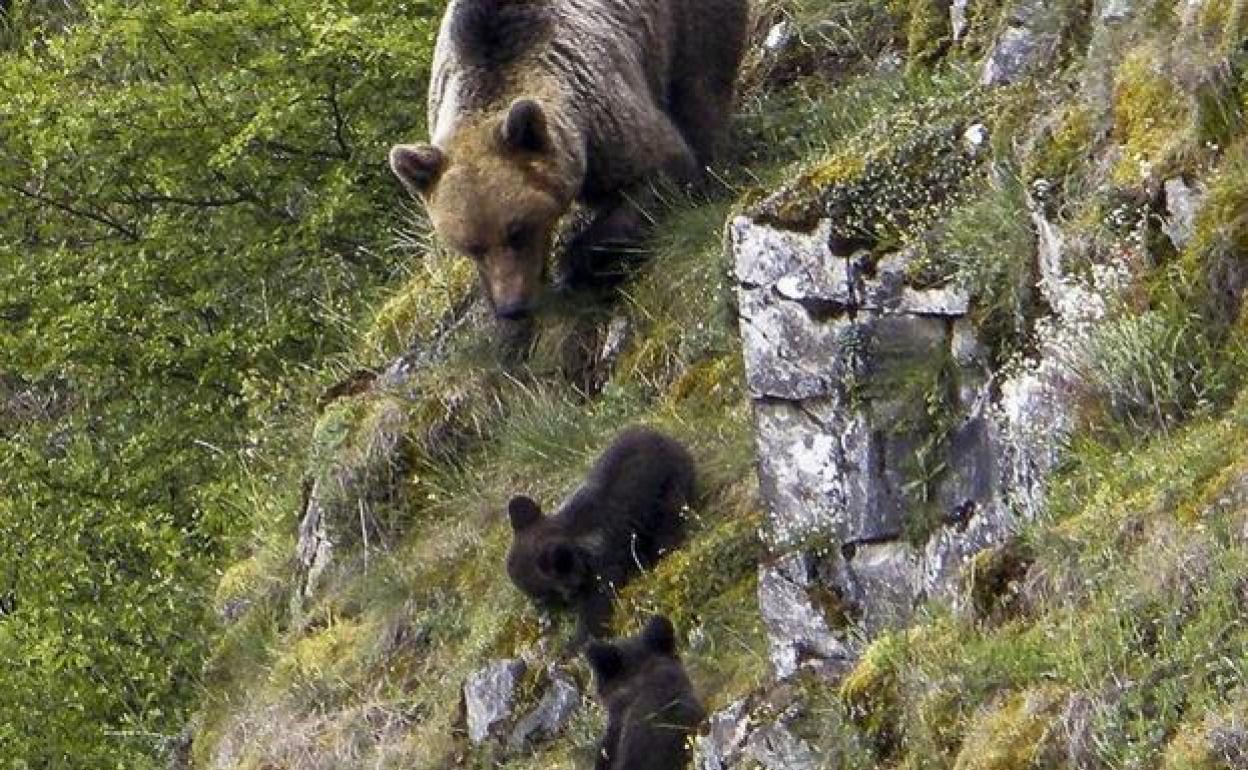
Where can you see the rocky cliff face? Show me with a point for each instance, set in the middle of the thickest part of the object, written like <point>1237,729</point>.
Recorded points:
<point>894,447</point>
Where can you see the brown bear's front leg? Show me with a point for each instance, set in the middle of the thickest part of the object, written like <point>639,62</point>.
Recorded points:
<point>598,255</point>
<point>602,253</point>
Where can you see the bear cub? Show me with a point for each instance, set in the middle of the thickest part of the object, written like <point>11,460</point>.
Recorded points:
<point>652,710</point>
<point>627,514</point>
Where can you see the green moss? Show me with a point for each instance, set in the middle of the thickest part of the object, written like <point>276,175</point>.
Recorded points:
<point>1152,116</point>
<point>1224,22</point>
<point>1063,150</point>
<point>685,584</point>
<point>1196,746</point>
<point>1220,102</point>
<point>929,31</point>
<point>1009,736</point>
<point>891,178</point>
<point>992,579</point>
<point>871,692</point>
<point>322,667</point>
<point>1189,750</point>
<point>1220,242</point>
<point>442,284</point>
<point>240,581</point>
<point>716,380</point>
<point>1203,283</point>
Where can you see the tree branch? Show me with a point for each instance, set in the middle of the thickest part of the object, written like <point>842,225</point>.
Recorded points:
<point>128,232</point>
<point>340,124</point>
<point>148,199</point>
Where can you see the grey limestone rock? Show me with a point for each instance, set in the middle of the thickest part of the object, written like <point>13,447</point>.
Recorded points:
<point>490,697</point>
<point>547,720</point>
<point>1027,43</point>
<point>882,433</point>
<point>727,731</point>
<point>738,737</point>
<point>775,748</point>
<point>1182,205</point>
<point>796,628</point>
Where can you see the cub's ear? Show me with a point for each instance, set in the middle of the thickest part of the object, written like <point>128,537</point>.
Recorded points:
<point>524,128</point>
<point>659,635</point>
<point>417,166</point>
<point>604,659</point>
<point>524,512</point>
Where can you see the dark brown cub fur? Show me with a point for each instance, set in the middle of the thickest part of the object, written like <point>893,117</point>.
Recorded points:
<point>652,709</point>
<point>627,514</point>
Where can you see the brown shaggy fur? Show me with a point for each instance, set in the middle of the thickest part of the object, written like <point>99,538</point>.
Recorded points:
<point>534,105</point>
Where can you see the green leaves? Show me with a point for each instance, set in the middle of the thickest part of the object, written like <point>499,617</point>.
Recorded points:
<point>194,197</point>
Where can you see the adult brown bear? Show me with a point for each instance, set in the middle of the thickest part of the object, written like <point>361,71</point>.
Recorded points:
<point>536,104</point>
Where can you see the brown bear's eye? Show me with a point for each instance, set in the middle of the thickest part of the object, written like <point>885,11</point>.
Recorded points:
<point>520,235</point>
<point>475,251</point>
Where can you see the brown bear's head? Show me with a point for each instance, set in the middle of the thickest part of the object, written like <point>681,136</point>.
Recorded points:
<point>619,662</point>
<point>544,562</point>
<point>495,192</point>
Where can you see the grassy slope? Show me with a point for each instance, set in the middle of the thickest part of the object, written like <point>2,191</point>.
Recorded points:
<point>1132,603</point>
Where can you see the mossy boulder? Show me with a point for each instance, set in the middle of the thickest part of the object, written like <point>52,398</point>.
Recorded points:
<point>1152,116</point>
<point>1010,736</point>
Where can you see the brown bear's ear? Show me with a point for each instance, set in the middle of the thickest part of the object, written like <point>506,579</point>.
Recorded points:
<point>524,128</point>
<point>605,660</point>
<point>524,512</point>
<point>417,165</point>
<point>659,635</point>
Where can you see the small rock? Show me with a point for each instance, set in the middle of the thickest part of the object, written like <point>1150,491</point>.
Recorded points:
<point>551,714</point>
<point>234,609</point>
<point>490,696</point>
<point>179,750</point>
<point>1182,205</point>
<point>775,748</point>
<point>958,19</point>
<point>949,302</point>
<point>728,730</point>
<point>976,138</point>
<point>965,346</point>
<point>1228,741</point>
<point>1028,43</point>
<point>889,61</point>
<point>1117,10</point>
<point>779,37</point>
<point>315,550</point>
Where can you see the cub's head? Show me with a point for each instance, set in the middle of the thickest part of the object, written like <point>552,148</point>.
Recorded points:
<point>543,562</point>
<point>495,192</point>
<point>619,662</point>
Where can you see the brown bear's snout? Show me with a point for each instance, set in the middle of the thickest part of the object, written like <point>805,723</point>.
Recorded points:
<point>512,284</point>
<point>514,312</point>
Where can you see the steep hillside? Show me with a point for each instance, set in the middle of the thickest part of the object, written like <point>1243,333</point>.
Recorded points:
<point>1104,628</point>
